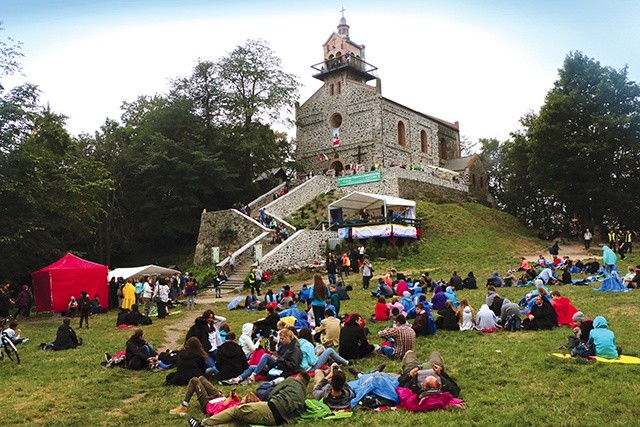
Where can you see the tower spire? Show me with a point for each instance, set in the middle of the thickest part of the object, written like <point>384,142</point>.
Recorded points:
<point>343,28</point>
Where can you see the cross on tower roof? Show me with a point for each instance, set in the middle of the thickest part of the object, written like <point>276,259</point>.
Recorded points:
<point>342,10</point>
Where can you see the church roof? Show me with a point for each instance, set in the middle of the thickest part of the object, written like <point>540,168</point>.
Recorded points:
<point>435,119</point>
<point>347,39</point>
<point>460,164</point>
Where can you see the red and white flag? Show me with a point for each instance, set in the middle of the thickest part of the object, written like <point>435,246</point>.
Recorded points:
<point>336,143</point>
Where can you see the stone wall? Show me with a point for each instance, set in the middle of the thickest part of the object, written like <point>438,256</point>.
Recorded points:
<point>302,249</point>
<point>228,229</point>
<point>300,196</point>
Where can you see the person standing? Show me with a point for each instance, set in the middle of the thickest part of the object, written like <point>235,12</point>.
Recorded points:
<point>161,296</point>
<point>367,272</point>
<point>332,269</point>
<point>84,306</point>
<point>587,238</point>
<point>319,294</point>
<point>628,237</point>
<point>611,238</point>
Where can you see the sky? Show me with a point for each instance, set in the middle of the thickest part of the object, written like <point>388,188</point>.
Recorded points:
<point>482,63</point>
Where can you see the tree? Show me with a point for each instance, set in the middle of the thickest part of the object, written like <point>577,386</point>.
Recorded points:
<point>582,148</point>
<point>10,54</point>
<point>254,86</point>
<point>492,156</point>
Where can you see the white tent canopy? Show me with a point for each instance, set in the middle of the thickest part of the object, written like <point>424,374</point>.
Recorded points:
<point>357,201</point>
<point>145,270</point>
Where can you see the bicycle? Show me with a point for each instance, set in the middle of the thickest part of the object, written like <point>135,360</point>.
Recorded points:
<point>7,346</point>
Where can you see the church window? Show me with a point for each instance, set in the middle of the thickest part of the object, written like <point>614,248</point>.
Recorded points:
<point>339,88</point>
<point>481,183</point>
<point>473,180</point>
<point>402,137</point>
<point>335,120</point>
<point>424,143</point>
<point>331,89</point>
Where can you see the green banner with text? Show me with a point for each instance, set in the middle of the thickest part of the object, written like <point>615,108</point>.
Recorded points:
<point>362,178</point>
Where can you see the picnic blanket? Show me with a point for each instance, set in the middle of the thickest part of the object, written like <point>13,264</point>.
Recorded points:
<point>624,359</point>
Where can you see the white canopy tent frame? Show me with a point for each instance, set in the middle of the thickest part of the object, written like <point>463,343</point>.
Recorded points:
<point>145,270</point>
<point>357,201</point>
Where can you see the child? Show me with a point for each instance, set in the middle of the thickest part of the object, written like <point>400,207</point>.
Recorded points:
<point>335,299</point>
<point>381,311</point>
<point>14,334</point>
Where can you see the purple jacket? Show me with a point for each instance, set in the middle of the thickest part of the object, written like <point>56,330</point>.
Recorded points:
<point>438,300</point>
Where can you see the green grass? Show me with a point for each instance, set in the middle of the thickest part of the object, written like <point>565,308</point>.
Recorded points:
<point>507,379</point>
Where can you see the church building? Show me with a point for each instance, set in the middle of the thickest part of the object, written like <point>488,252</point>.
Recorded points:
<point>348,124</point>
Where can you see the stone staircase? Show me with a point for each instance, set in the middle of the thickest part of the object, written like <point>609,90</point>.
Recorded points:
<point>235,283</point>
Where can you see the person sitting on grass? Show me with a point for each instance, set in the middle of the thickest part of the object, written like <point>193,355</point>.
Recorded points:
<point>14,334</point>
<point>315,357</point>
<point>286,402</point>
<point>448,319</point>
<point>327,332</point>
<point>603,340</point>
<point>331,387</point>
<point>139,353</point>
<point>381,311</point>
<point>581,330</point>
<point>287,360</point>
<point>486,320</point>
<point>403,338</point>
<point>423,324</point>
<point>465,316</point>
<point>353,339</point>
<point>230,359</point>
<point>66,337</point>
<point>542,314</point>
<point>191,363</point>
<point>563,307</point>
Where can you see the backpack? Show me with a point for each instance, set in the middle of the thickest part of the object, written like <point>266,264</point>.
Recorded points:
<point>314,409</point>
<point>512,323</point>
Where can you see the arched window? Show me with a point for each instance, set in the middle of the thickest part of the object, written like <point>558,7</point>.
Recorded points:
<point>424,143</point>
<point>402,137</point>
<point>339,88</point>
<point>473,180</point>
<point>481,183</point>
<point>331,89</point>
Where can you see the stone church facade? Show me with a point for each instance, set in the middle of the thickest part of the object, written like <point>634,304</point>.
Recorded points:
<point>347,121</point>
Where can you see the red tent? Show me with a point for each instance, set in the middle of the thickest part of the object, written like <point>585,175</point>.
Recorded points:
<point>54,285</point>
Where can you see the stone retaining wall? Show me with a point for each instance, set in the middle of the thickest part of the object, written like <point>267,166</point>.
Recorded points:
<point>228,229</point>
<point>298,252</point>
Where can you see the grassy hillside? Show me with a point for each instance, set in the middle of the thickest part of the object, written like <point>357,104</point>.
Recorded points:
<point>469,237</point>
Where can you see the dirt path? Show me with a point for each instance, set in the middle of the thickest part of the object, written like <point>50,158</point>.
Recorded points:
<point>176,331</point>
<point>574,250</point>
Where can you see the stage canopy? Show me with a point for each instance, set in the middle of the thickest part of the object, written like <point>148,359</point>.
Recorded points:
<point>386,216</point>
<point>145,270</point>
<point>375,204</point>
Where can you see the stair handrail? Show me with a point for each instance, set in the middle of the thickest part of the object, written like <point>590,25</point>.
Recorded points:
<point>244,248</point>
<point>292,191</point>
<point>252,204</point>
<point>258,223</point>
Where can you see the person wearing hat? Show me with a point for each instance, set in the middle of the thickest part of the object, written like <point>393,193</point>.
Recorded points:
<point>582,329</point>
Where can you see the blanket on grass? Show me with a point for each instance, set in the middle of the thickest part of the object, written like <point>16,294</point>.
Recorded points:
<point>624,359</point>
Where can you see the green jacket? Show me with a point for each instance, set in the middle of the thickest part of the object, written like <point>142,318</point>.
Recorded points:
<point>289,397</point>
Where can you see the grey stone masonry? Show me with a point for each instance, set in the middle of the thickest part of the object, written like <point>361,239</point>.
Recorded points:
<point>303,249</point>
<point>298,197</point>
<point>228,229</point>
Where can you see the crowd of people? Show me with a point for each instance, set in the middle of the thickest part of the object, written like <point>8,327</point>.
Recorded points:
<point>304,335</point>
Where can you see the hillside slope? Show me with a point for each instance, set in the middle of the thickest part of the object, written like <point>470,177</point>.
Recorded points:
<point>469,237</point>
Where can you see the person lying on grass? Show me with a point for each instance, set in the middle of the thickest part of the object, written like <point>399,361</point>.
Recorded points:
<point>428,377</point>
<point>211,400</point>
<point>331,387</point>
<point>286,402</point>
